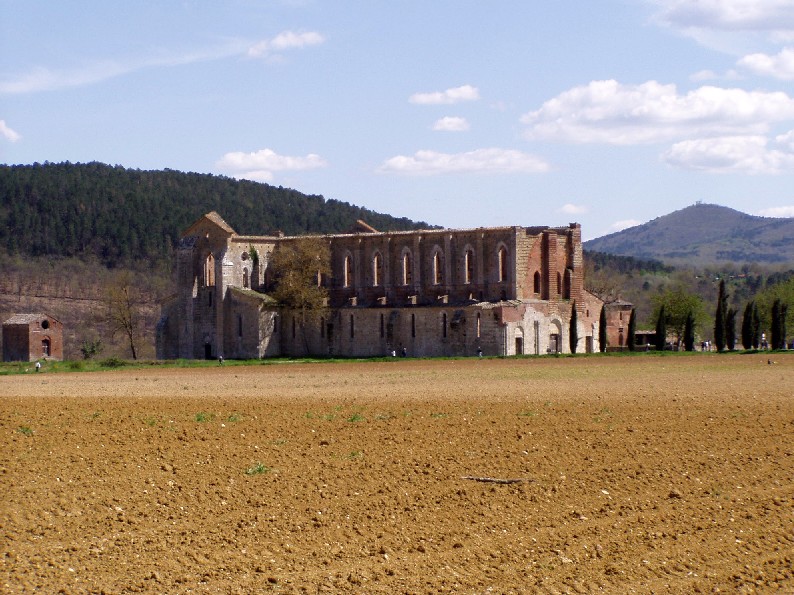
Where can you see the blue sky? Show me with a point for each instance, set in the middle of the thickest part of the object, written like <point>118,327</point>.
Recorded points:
<point>461,113</point>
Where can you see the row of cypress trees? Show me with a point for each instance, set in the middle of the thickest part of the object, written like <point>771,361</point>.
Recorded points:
<point>724,327</point>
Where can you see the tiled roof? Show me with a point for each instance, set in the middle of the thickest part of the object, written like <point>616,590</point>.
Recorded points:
<point>25,318</point>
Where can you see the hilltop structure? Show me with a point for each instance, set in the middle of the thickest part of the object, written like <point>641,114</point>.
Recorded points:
<point>435,292</point>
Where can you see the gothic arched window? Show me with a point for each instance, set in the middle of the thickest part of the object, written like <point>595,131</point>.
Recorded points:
<point>377,269</point>
<point>347,272</point>
<point>438,268</point>
<point>502,264</point>
<point>407,268</point>
<point>468,266</point>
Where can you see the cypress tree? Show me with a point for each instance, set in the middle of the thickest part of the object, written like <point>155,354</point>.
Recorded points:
<point>730,329</point>
<point>661,330</point>
<point>602,330</point>
<point>783,314</point>
<point>747,326</point>
<point>631,342</point>
<point>689,332</point>
<point>756,327</point>
<point>719,318</point>
<point>573,331</point>
<point>776,327</point>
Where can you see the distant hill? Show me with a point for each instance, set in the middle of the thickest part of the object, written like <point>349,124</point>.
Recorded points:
<point>704,234</point>
<point>121,216</point>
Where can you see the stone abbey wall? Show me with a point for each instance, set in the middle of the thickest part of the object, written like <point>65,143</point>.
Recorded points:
<point>503,290</point>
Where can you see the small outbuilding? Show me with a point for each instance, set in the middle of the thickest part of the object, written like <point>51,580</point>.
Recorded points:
<point>30,337</point>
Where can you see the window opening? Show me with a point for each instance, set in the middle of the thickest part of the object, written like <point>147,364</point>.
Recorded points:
<point>469,266</point>
<point>377,269</point>
<point>502,257</point>
<point>407,272</point>
<point>348,271</point>
<point>209,270</point>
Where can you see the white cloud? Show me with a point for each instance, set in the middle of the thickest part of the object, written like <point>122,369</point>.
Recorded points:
<point>727,15</point>
<point>741,154</point>
<point>710,75</point>
<point>485,161</point>
<point>7,132</point>
<point>777,211</point>
<point>785,141</point>
<point>572,209</point>
<point>285,40</point>
<point>612,113</point>
<point>44,79</point>
<point>624,224</point>
<point>261,165</point>
<point>451,124</point>
<point>780,66</point>
<point>450,96</point>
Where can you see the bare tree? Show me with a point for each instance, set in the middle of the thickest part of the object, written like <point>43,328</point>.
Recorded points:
<point>122,313</point>
<point>604,283</point>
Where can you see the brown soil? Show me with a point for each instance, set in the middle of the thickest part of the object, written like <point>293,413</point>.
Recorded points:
<point>638,475</point>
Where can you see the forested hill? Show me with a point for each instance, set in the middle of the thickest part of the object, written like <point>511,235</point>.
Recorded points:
<point>124,215</point>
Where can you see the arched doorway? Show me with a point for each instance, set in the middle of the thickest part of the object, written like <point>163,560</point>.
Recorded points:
<point>555,337</point>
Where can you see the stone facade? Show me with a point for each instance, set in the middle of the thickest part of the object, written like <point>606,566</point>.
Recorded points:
<point>502,290</point>
<point>30,337</point>
<point>618,314</point>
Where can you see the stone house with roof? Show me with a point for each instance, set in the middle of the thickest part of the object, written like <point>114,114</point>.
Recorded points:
<point>30,337</point>
<point>435,292</point>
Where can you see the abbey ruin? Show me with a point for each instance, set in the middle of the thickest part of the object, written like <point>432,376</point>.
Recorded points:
<point>437,292</point>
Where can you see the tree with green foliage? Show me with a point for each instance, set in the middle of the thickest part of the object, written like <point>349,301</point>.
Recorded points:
<point>689,333</point>
<point>730,329</point>
<point>631,340</point>
<point>778,327</point>
<point>765,298</point>
<point>91,348</point>
<point>298,268</point>
<point>573,330</point>
<point>720,317</point>
<point>602,330</point>
<point>756,326</point>
<point>677,304</point>
<point>125,216</point>
<point>661,329</point>
<point>747,326</point>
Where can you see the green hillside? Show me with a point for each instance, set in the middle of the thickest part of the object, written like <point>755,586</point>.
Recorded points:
<point>122,216</point>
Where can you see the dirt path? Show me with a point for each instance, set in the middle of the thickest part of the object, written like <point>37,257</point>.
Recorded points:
<point>638,475</point>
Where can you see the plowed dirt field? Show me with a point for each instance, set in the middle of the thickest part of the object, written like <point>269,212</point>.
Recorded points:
<point>574,475</point>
